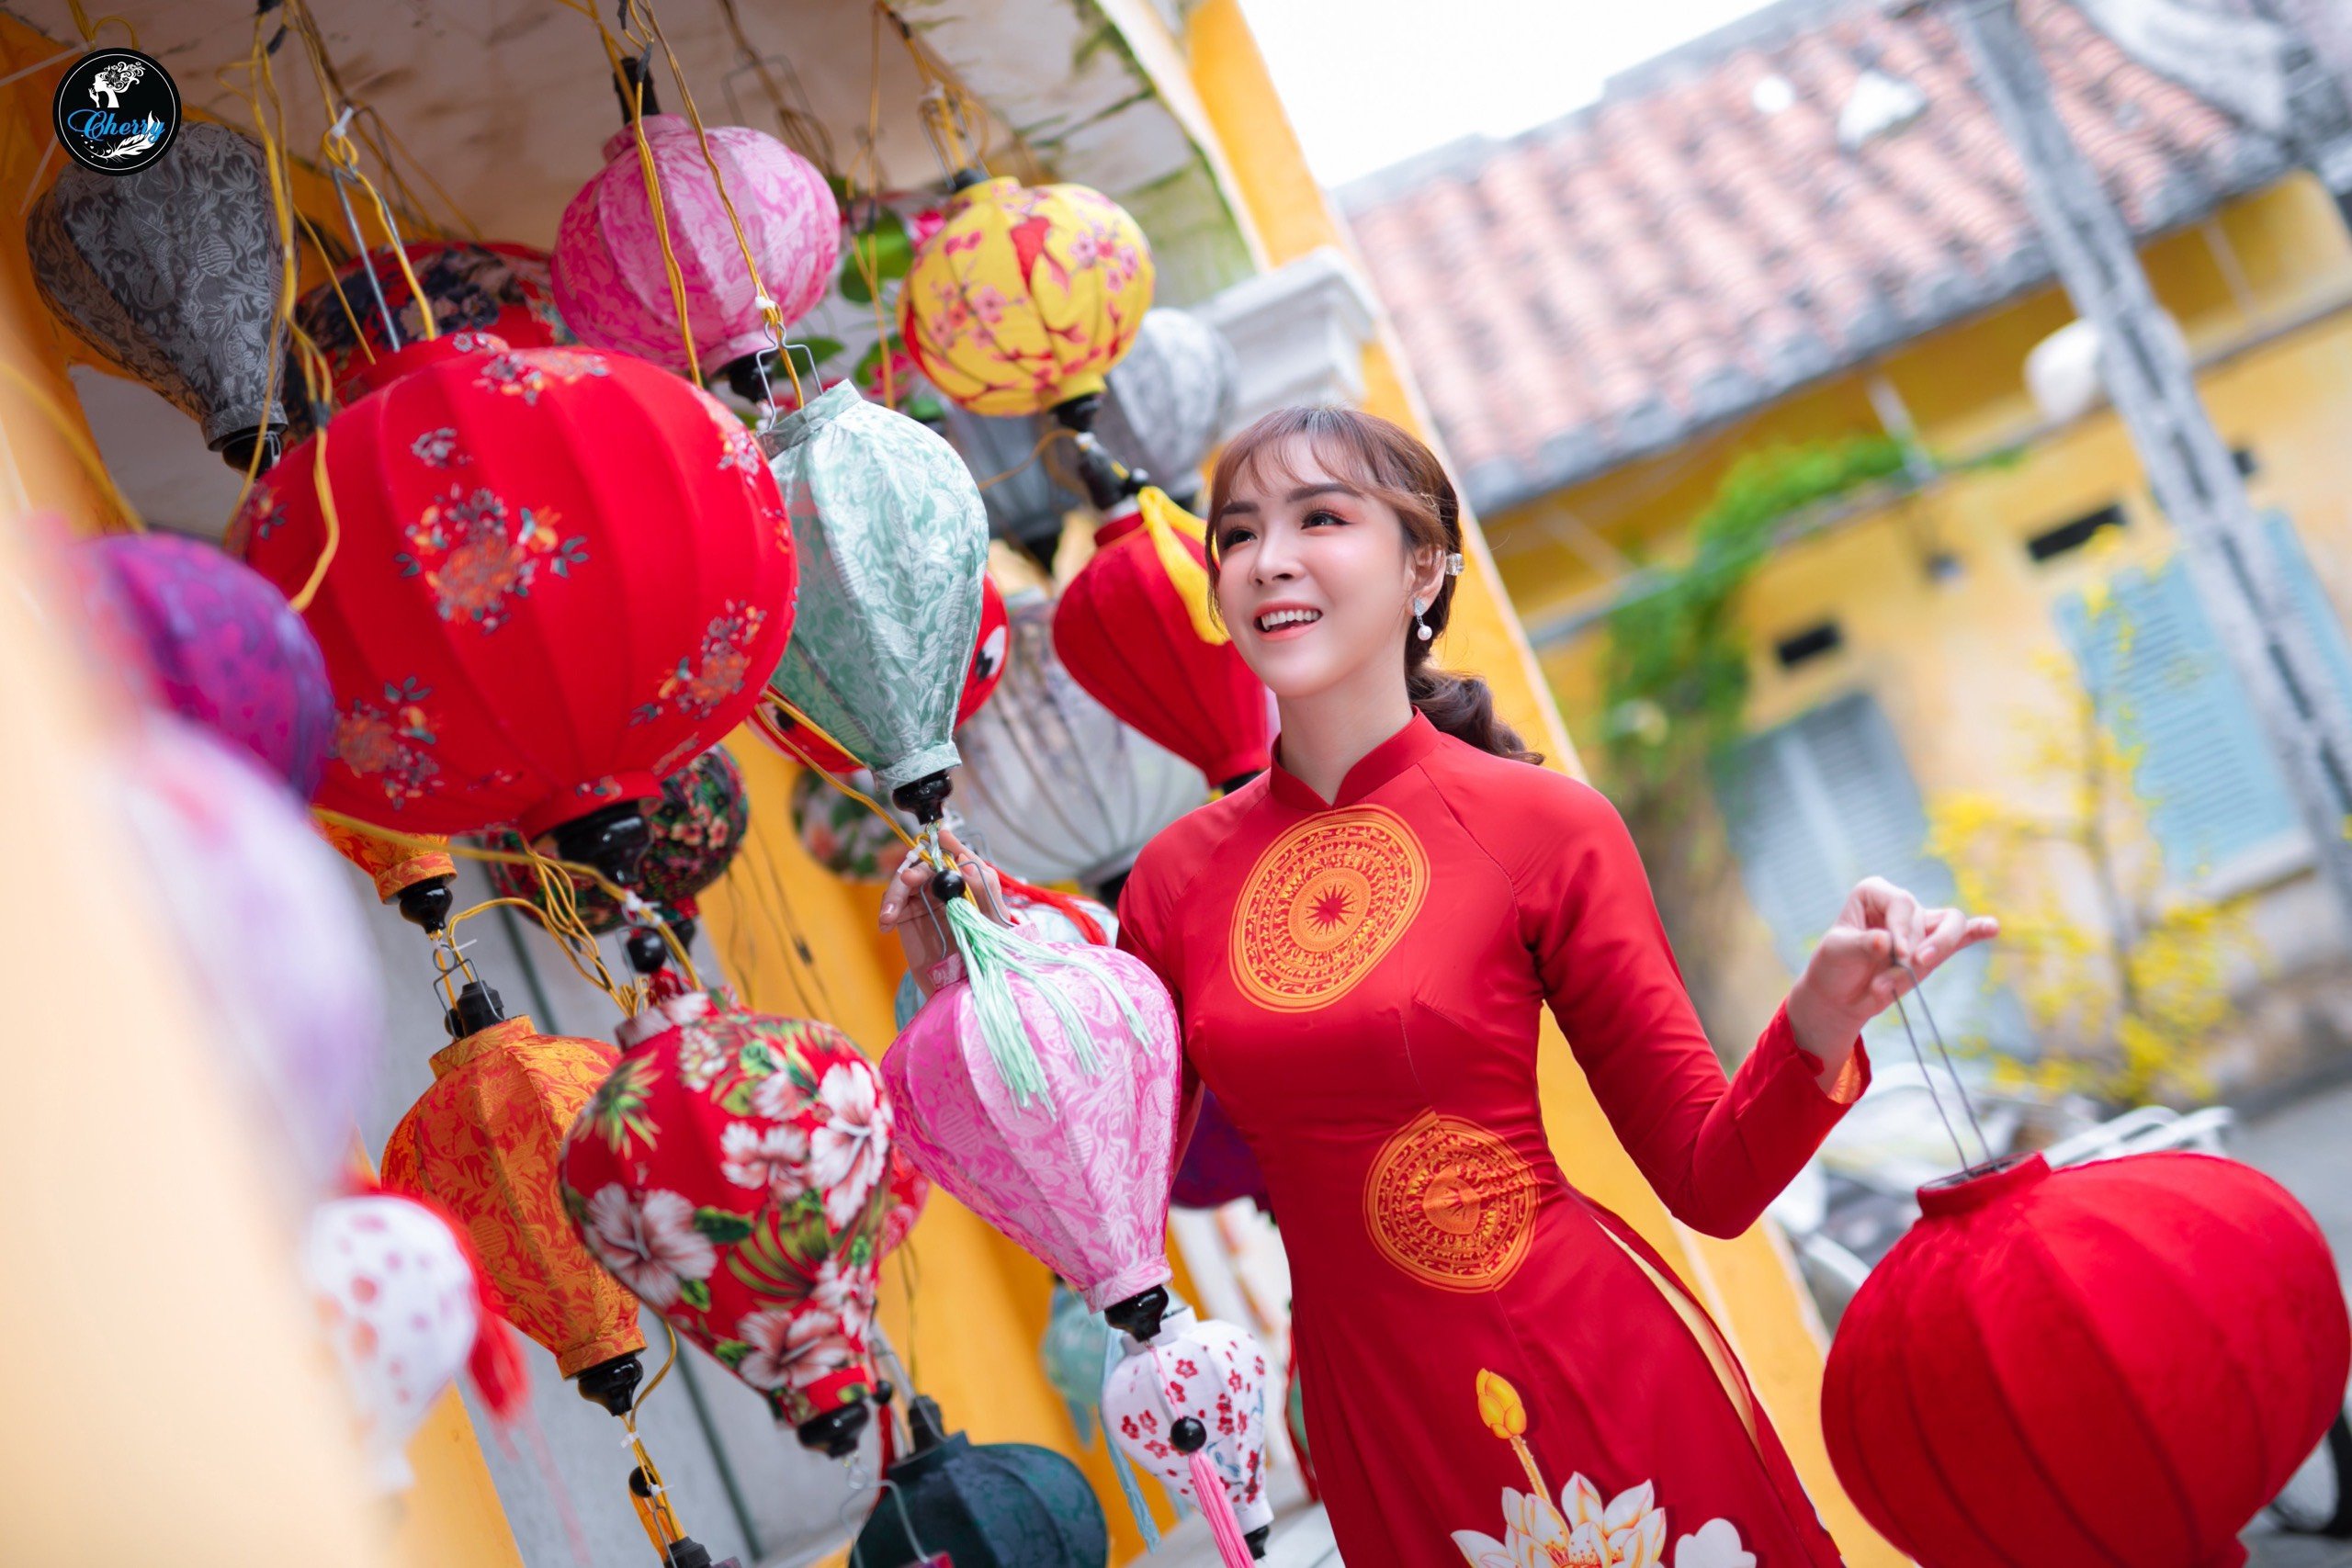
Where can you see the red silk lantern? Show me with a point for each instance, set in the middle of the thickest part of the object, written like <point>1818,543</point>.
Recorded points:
<point>979,683</point>
<point>483,1143</point>
<point>561,575</point>
<point>1134,628</point>
<point>2120,1362</point>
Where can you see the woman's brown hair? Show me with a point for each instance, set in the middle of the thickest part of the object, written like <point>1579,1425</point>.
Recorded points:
<point>1386,463</point>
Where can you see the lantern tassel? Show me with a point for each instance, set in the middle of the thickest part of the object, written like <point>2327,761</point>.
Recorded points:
<point>993,955</point>
<point>1208,1490</point>
<point>1129,1487</point>
<point>1164,522</point>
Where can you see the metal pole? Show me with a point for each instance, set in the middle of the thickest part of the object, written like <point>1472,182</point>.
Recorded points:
<point>2190,467</point>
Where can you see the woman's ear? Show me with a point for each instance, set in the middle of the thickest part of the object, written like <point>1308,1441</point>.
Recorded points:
<point>1428,573</point>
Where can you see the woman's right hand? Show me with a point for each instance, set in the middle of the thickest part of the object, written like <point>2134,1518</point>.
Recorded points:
<point>909,908</point>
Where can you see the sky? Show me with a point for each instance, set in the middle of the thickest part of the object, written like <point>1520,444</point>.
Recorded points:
<point>1370,82</point>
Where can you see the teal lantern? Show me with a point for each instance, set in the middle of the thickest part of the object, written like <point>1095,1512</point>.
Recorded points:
<point>892,540</point>
<point>981,1505</point>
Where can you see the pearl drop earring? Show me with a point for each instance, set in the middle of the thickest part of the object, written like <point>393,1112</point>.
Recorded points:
<point>1420,627</point>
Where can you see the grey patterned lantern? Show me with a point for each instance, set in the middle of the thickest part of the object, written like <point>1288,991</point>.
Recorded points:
<point>1170,399</point>
<point>1025,506</point>
<point>1053,787</point>
<point>173,275</point>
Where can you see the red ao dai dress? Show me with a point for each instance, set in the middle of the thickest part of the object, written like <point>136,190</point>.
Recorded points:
<point>1498,1370</point>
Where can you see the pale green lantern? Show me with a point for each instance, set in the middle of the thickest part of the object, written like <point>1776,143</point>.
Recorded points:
<point>892,540</point>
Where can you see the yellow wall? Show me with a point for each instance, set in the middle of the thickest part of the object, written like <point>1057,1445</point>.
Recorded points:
<point>1747,1284</point>
<point>1953,664</point>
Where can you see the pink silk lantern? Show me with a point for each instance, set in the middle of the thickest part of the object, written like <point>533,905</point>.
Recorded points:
<point>611,284</point>
<point>1211,1375</point>
<point>1077,1174</point>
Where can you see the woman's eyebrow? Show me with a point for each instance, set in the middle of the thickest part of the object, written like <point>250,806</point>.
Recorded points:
<point>1308,492</point>
<point>1231,507</point>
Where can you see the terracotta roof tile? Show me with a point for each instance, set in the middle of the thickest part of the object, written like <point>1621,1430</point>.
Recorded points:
<point>1609,284</point>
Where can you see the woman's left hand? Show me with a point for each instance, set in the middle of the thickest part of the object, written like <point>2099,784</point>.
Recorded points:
<point>1860,967</point>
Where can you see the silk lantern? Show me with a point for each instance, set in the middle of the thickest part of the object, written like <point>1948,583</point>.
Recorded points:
<point>1041,918</point>
<point>223,646</point>
<point>275,940</point>
<point>561,577</point>
<point>910,1194</point>
<point>1188,1405</point>
<point>1061,1135</point>
<point>1072,1353</point>
<point>2115,1363</point>
<point>1025,297</point>
<point>981,1505</point>
<point>796,741</point>
<point>1026,499</point>
<point>404,1314</point>
<point>483,1143</point>
<point>417,876</point>
<point>732,1171</point>
<point>894,550</point>
<point>1055,788</point>
<point>695,830</point>
<point>494,286</point>
<point>1135,627</point>
<point>172,274</point>
<point>612,284</point>
<point>1170,399</point>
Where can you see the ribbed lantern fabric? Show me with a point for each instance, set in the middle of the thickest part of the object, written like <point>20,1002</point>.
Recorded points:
<point>732,1170</point>
<point>697,830</point>
<point>1027,295</point>
<point>980,681</point>
<point>172,274</point>
<point>562,576</point>
<point>1170,399</point>
<point>894,547</point>
<point>1077,1177</point>
<point>495,287</point>
<point>1053,787</point>
<point>610,281</point>
<point>1214,1373</point>
<point>984,1506</point>
<point>391,865</point>
<point>224,647</point>
<point>2117,1363</point>
<point>1141,641</point>
<point>483,1143</point>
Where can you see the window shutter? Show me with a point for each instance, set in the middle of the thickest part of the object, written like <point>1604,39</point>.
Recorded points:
<point>2151,662</point>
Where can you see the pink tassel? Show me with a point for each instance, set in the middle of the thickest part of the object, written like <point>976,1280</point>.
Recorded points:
<point>1208,1491</point>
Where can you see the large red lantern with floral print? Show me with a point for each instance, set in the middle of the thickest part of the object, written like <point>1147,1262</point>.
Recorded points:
<point>1135,629</point>
<point>2118,1362</point>
<point>733,1170</point>
<point>556,576</point>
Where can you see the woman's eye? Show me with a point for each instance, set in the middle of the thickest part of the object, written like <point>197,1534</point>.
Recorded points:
<point>1233,536</point>
<point>1316,519</point>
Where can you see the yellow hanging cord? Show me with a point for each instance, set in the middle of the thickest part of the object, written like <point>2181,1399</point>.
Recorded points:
<point>783,738</point>
<point>89,30</point>
<point>54,411</point>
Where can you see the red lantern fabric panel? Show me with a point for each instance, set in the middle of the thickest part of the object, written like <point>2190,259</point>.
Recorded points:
<point>1125,632</point>
<point>2121,1362</point>
<point>562,575</point>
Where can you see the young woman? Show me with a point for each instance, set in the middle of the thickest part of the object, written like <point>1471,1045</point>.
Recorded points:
<point>1359,944</point>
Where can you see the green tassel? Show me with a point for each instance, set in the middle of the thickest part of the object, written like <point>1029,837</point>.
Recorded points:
<point>993,955</point>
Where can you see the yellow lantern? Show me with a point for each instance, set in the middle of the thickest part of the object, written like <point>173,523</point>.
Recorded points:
<point>1025,297</point>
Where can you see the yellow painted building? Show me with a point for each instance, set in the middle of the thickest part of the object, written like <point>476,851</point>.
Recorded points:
<point>179,1411</point>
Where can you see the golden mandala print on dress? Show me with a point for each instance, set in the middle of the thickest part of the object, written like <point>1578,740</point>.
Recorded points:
<point>1451,1203</point>
<point>1323,905</point>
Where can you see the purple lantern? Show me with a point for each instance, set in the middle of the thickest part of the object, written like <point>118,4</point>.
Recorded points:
<point>224,647</point>
<point>1217,1166</point>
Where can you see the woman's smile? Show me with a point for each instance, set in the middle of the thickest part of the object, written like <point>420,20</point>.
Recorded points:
<point>1283,620</point>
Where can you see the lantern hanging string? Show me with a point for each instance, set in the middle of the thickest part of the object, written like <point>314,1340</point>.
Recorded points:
<point>78,441</point>
<point>1951,1072</point>
<point>783,738</point>
<point>391,152</point>
<point>661,1520</point>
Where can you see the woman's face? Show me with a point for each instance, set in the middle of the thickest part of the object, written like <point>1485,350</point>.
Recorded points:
<point>1315,578</point>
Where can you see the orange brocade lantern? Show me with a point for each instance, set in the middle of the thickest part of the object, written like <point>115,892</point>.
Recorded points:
<point>483,1143</point>
<point>1025,295</point>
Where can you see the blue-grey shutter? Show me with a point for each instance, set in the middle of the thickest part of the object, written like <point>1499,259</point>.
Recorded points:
<point>2204,776</point>
<point>2309,601</point>
<point>1819,803</point>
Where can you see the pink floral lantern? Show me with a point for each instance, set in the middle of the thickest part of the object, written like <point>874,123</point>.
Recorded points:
<point>613,287</point>
<point>1041,1092</point>
<point>733,1170</point>
<point>1188,1405</point>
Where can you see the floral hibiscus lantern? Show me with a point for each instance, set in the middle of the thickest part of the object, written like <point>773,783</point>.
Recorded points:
<point>611,280</point>
<point>732,1171</point>
<point>559,576</point>
<point>1025,297</point>
<point>894,543</point>
<point>483,1143</point>
<point>1188,1405</point>
<point>1041,1092</point>
<point>2117,1363</point>
<point>1134,628</point>
<point>695,831</point>
<point>981,678</point>
<point>490,286</point>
